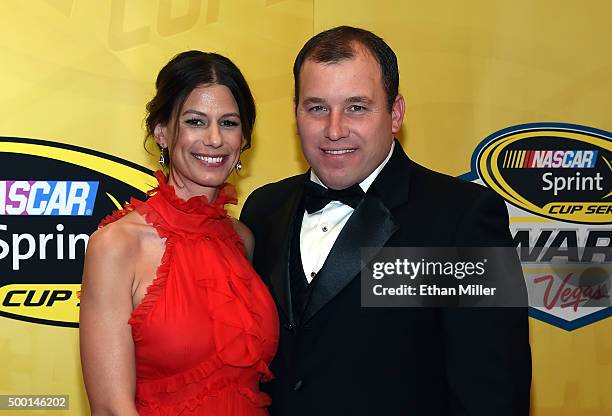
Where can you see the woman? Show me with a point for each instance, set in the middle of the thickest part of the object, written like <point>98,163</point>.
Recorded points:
<point>174,319</point>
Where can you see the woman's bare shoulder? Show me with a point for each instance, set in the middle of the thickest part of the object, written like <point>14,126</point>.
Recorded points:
<point>118,244</point>
<point>246,235</point>
<point>129,229</point>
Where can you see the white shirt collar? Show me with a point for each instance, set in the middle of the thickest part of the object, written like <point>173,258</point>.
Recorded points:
<point>367,182</point>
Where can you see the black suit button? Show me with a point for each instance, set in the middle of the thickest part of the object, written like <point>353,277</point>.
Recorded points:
<point>290,326</point>
<point>298,385</point>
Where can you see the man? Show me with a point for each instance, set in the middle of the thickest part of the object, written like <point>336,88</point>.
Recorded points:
<point>336,357</point>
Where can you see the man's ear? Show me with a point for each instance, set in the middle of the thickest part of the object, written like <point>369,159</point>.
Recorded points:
<point>397,114</point>
<point>297,126</point>
<point>159,132</point>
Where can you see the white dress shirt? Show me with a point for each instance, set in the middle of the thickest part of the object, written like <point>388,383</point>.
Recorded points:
<point>321,229</point>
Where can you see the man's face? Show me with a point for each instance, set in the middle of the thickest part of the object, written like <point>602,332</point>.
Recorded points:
<point>343,121</point>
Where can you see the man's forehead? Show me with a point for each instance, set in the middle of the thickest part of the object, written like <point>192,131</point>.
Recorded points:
<point>355,76</point>
<point>356,70</point>
<point>352,99</point>
<point>359,52</point>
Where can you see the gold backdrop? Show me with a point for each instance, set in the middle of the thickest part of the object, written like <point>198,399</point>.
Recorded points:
<point>80,72</point>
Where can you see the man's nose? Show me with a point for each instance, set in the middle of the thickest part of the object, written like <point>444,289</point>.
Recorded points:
<point>336,127</point>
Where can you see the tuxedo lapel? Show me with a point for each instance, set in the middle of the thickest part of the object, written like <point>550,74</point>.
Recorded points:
<point>279,241</point>
<point>370,225</point>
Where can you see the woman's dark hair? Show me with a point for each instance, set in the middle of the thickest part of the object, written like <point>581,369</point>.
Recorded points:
<point>189,70</point>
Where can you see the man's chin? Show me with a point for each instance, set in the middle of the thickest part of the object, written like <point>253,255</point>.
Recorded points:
<point>337,183</point>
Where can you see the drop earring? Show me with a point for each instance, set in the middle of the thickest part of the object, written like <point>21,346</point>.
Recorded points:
<point>238,166</point>
<point>162,158</point>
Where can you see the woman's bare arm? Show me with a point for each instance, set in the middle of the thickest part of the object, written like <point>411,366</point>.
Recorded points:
<point>107,348</point>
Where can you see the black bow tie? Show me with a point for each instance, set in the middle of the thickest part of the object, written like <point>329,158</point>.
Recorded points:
<point>317,196</point>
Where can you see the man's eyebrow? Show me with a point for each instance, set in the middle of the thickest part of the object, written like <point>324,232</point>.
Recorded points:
<point>358,99</point>
<point>312,100</point>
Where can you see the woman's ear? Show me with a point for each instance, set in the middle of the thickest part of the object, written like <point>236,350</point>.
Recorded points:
<point>160,136</point>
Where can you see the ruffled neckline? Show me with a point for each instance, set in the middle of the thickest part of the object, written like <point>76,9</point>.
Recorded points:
<point>198,204</point>
<point>192,217</point>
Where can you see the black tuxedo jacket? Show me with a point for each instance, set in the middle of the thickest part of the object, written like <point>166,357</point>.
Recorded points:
<point>342,359</point>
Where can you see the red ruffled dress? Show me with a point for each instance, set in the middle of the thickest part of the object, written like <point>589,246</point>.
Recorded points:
<point>207,327</point>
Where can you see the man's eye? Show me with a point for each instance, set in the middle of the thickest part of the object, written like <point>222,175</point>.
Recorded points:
<point>316,109</point>
<point>356,108</point>
<point>229,123</point>
<point>196,122</point>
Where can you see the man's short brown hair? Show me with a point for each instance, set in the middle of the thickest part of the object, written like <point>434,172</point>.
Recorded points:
<point>338,44</point>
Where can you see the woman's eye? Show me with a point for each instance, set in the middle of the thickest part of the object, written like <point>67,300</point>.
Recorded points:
<point>196,122</point>
<point>229,123</point>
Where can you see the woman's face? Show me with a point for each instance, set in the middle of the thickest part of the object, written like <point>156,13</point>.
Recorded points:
<point>207,146</point>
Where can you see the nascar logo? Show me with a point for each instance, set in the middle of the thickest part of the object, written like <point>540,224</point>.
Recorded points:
<point>52,196</point>
<point>556,179</point>
<point>564,159</point>
<point>47,197</point>
<point>558,171</point>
